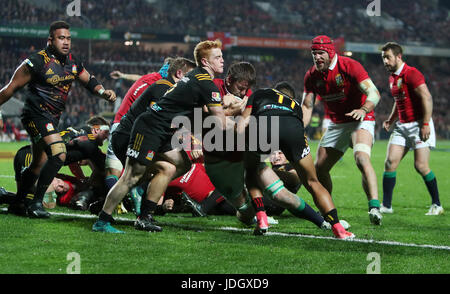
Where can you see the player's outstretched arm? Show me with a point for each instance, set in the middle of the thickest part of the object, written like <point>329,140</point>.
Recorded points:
<point>20,78</point>
<point>91,83</point>
<point>120,75</point>
<point>307,107</point>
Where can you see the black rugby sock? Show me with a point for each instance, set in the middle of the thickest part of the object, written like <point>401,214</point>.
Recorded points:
<point>147,207</point>
<point>331,217</point>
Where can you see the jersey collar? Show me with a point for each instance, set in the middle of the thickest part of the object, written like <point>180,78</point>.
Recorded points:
<point>333,62</point>
<point>399,70</point>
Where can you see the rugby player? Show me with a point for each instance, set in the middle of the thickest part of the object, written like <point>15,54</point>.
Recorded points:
<point>350,97</point>
<point>49,75</point>
<point>82,144</point>
<point>413,108</point>
<point>280,102</point>
<point>113,165</point>
<point>152,134</point>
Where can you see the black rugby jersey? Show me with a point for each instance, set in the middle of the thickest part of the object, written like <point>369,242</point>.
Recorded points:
<point>193,91</point>
<point>52,78</point>
<point>151,95</point>
<point>271,102</point>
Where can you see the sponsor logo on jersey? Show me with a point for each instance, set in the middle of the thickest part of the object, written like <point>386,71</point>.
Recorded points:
<point>339,80</point>
<point>156,107</point>
<point>150,155</point>
<point>49,127</point>
<point>306,151</point>
<point>216,96</point>
<point>132,153</point>
<point>49,72</point>
<point>399,83</point>
<point>74,69</point>
<point>57,79</point>
<point>27,61</point>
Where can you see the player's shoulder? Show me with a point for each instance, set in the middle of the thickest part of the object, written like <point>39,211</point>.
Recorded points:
<point>37,58</point>
<point>200,74</point>
<point>408,70</point>
<point>348,62</point>
<point>219,82</point>
<point>264,92</point>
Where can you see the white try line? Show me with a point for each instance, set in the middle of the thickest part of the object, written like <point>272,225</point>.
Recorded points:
<point>6,176</point>
<point>392,243</point>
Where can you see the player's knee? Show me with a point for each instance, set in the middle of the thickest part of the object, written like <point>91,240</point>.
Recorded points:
<point>390,165</point>
<point>421,167</point>
<point>362,152</point>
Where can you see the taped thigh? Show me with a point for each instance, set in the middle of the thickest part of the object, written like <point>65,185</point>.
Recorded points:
<point>361,147</point>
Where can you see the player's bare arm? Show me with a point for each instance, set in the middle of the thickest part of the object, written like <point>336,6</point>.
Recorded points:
<point>427,105</point>
<point>95,87</point>
<point>120,75</point>
<point>307,107</point>
<point>373,97</point>
<point>387,124</point>
<point>20,78</point>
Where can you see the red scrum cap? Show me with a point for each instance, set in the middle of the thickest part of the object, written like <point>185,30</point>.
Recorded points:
<point>323,43</point>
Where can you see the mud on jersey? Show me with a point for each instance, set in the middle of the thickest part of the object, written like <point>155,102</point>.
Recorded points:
<point>51,82</point>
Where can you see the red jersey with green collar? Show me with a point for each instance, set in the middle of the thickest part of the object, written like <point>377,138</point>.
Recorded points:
<point>339,88</point>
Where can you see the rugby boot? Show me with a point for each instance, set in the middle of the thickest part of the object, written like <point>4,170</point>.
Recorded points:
<point>375,216</point>
<point>105,227</point>
<point>146,223</point>
<point>340,233</point>
<point>36,210</point>
<point>262,224</point>
<point>196,208</point>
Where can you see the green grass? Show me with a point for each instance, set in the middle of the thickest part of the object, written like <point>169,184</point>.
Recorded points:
<point>191,245</point>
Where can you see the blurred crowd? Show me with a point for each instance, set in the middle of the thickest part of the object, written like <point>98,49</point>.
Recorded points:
<point>289,18</point>
<point>292,18</point>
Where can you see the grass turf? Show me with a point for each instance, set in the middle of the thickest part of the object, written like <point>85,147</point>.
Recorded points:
<point>191,245</point>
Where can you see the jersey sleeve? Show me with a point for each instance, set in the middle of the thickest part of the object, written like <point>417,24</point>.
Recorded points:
<point>35,62</point>
<point>210,94</point>
<point>415,78</point>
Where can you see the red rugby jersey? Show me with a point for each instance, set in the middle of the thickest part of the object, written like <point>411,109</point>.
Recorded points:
<point>325,108</point>
<point>195,183</point>
<point>134,92</point>
<point>409,105</point>
<point>339,88</point>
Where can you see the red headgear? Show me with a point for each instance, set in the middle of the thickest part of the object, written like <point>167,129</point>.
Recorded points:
<point>323,43</point>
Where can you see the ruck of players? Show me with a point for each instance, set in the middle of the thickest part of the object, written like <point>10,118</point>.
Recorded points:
<point>196,137</point>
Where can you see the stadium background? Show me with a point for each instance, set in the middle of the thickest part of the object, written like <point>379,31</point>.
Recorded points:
<point>136,36</point>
